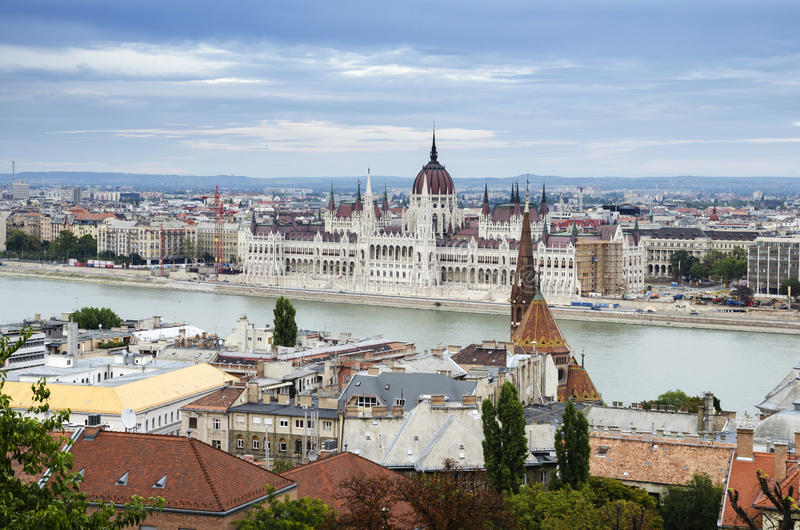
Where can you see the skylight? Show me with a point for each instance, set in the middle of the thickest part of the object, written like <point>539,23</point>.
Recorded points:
<point>123,480</point>
<point>161,482</point>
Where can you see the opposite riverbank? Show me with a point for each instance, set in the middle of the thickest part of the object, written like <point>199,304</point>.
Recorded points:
<point>762,321</point>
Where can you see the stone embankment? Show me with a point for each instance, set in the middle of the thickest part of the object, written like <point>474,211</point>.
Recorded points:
<point>629,312</point>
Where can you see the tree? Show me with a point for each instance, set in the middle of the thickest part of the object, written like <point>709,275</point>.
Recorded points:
<point>284,325</point>
<point>64,245</point>
<point>692,506</point>
<point>28,447</point>
<point>94,318</point>
<point>572,447</point>
<point>773,491</point>
<point>680,263</point>
<point>504,444</point>
<point>86,246</point>
<point>190,249</point>
<point>20,242</point>
<point>699,271</point>
<point>729,268</point>
<point>564,509</point>
<point>744,294</point>
<point>791,284</point>
<point>287,514</point>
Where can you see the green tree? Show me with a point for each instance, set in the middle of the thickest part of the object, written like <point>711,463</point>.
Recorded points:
<point>504,443</point>
<point>677,263</point>
<point>20,242</point>
<point>572,447</point>
<point>791,285</point>
<point>287,514</point>
<point>29,448</point>
<point>699,271</point>
<point>712,257</point>
<point>65,245</point>
<point>693,506</point>
<point>86,246</point>
<point>563,509</point>
<point>94,318</point>
<point>283,323</point>
<point>190,249</point>
<point>744,294</point>
<point>729,268</point>
<point>739,253</point>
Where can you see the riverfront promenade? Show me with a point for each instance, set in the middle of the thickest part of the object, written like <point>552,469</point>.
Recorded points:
<point>651,313</point>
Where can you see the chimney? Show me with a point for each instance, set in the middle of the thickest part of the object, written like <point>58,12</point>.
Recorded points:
<point>306,401</point>
<point>37,317</point>
<point>252,392</point>
<point>744,444</point>
<point>708,399</point>
<point>399,369</point>
<point>379,411</point>
<point>797,445</point>
<point>779,461</point>
<point>470,400</point>
<point>700,418</point>
<point>72,341</point>
<point>259,368</point>
<point>283,399</point>
<point>437,400</point>
<point>397,410</point>
<point>373,370</point>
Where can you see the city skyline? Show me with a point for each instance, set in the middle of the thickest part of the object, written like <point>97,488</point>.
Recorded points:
<point>313,90</point>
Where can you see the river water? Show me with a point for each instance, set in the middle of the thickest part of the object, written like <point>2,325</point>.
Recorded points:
<point>627,362</point>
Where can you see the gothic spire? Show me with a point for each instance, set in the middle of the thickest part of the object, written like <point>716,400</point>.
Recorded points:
<point>543,204</point>
<point>523,288</point>
<point>485,210</point>
<point>331,202</point>
<point>434,155</point>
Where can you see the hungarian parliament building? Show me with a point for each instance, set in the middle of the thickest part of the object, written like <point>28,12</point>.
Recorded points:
<point>434,249</point>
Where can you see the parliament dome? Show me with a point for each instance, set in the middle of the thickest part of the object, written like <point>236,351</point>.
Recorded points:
<point>437,177</point>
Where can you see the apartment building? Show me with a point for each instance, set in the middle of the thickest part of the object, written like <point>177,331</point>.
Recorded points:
<point>145,238</point>
<point>771,261</point>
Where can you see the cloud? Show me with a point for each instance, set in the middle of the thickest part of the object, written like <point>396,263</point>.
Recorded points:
<point>128,59</point>
<point>310,136</point>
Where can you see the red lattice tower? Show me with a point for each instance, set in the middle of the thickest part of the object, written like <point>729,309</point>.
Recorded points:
<point>219,233</point>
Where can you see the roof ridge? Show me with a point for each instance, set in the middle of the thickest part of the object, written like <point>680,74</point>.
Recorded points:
<point>206,475</point>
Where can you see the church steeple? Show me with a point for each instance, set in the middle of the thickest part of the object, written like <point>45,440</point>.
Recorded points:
<point>485,210</point>
<point>331,202</point>
<point>543,204</point>
<point>523,288</point>
<point>434,154</point>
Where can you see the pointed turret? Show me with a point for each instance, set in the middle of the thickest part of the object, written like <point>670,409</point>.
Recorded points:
<point>485,210</point>
<point>358,206</point>
<point>523,288</point>
<point>331,201</point>
<point>368,191</point>
<point>636,234</point>
<point>434,154</point>
<point>545,234</point>
<point>543,204</point>
<point>385,205</point>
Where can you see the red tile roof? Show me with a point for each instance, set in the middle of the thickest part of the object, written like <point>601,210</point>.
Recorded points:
<point>742,478</point>
<point>579,387</point>
<point>218,400</point>
<point>198,476</point>
<point>322,479</point>
<point>539,325</point>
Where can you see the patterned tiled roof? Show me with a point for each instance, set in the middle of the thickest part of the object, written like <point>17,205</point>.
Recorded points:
<point>219,400</point>
<point>539,326</point>
<point>195,475</point>
<point>743,479</point>
<point>579,387</point>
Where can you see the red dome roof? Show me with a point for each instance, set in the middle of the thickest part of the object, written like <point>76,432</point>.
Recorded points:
<point>437,177</point>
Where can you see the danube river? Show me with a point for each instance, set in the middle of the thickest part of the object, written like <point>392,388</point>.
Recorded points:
<point>627,362</point>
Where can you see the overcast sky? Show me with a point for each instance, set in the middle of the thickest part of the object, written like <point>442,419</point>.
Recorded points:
<point>272,89</point>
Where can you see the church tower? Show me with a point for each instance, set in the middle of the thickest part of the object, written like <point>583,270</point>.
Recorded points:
<point>523,288</point>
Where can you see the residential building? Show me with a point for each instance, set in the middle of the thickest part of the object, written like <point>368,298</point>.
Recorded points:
<point>20,190</point>
<point>246,337</point>
<point>32,353</point>
<point>187,473</point>
<point>207,236</point>
<point>145,239</point>
<point>206,419</point>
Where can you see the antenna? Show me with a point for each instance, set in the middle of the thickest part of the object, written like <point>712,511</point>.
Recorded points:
<point>129,419</point>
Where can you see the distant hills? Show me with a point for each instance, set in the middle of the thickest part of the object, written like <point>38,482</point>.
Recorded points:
<point>203,184</point>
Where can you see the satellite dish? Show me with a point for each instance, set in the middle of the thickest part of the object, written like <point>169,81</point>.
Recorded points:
<point>312,456</point>
<point>128,418</point>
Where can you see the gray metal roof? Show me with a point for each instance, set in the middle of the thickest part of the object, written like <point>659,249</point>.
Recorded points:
<point>276,409</point>
<point>389,386</point>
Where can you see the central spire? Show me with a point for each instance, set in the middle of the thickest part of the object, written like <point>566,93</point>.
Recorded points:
<point>434,155</point>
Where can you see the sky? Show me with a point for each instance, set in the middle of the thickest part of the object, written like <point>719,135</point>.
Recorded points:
<point>309,88</point>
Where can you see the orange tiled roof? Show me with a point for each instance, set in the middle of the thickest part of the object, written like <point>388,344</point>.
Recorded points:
<point>579,387</point>
<point>743,479</point>
<point>198,476</point>
<point>218,400</point>
<point>644,458</point>
<point>321,479</point>
<point>539,325</point>
<point>791,480</point>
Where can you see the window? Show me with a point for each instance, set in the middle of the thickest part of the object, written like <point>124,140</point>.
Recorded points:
<point>239,418</point>
<point>282,445</point>
<point>216,444</point>
<point>543,477</point>
<point>192,423</point>
<point>298,424</point>
<point>366,401</point>
<point>256,420</point>
<point>602,450</point>
<point>399,402</point>
<point>216,424</point>
<point>298,446</point>
<point>240,442</point>
<point>327,425</point>
<point>284,423</point>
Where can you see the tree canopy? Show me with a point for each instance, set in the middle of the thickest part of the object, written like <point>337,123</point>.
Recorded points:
<point>572,447</point>
<point>680,400</point>
<point>20,242</point>
<point>29,447</point>
<point>284,325</point>
<point>287,514</point>
<point>791,285</point>
<point>693,506</point>
<point>504,444</point>
<point>94,318</point>
<point>680,263</point>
